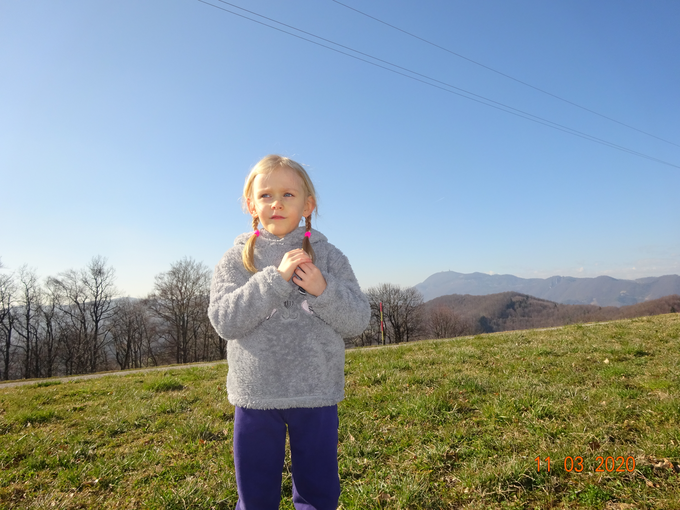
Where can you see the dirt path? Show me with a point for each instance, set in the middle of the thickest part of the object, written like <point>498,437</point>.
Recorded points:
<point>23,382</point>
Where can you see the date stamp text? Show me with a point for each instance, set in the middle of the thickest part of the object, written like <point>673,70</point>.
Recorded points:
<point>601,464</point>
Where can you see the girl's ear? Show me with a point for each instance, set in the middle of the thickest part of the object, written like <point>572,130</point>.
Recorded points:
<point>310,205</point>
<point>251,207</point>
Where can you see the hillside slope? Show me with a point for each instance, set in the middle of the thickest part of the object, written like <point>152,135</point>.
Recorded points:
<point>507,311</point>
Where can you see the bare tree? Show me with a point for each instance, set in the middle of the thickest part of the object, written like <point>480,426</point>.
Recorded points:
<point>99,281</point>
<point>71,299</point>
<point>180,301</point>
<point>54,331</point>
<point>401,310</point>
<point>85,299</point>
<point>131,332</point>
<point>28,322</point>
<point>7,320</point>
<point>214,346</point>
<point>370,336</point>
<point>445,323</point>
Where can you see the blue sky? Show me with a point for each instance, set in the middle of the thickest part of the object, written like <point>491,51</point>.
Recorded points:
<point>127,129</point>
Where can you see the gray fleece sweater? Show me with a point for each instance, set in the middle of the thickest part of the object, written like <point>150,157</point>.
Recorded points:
<point>285,346</point>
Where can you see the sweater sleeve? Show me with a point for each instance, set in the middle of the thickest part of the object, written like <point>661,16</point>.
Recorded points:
<point>342,305</point>
<point>239,302</point>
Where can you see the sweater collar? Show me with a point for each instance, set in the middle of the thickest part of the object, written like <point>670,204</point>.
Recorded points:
<point>290,241</point>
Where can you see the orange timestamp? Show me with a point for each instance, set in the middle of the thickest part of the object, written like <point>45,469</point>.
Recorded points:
<point>603,464</point>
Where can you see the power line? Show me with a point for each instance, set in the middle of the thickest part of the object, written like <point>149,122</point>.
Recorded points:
<point>505,75</point>
<point>462,92</point>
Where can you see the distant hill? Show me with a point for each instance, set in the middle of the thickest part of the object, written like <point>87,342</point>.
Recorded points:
<point>512,311</point>
<point>600,291</point>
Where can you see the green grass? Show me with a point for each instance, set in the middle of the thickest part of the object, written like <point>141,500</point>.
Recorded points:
<point>429,425</point>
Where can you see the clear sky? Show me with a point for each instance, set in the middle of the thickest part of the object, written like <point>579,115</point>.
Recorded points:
<point>127,129</point>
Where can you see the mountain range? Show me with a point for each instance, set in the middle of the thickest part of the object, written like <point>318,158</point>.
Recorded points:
<point>600,291</point>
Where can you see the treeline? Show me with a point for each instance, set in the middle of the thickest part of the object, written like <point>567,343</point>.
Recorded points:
<point>76,322</point>
<point>406,317</point>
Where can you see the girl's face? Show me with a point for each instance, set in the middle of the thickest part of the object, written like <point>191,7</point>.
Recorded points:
<point>279,200</point>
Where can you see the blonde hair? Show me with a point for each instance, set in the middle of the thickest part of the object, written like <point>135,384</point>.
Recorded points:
<point>266,166</point>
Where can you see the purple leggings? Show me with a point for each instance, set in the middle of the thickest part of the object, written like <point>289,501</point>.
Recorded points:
<point>259,452</point>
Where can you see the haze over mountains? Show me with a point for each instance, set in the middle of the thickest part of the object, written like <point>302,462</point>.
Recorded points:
<point>601,291</point>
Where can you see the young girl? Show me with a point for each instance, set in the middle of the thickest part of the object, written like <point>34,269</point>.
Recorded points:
<point>286,298</point>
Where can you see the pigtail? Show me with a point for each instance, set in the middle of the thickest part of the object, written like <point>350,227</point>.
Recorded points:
<point>248,253</point>
<point>306,244</point>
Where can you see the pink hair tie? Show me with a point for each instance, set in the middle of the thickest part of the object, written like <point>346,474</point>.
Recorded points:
<point>308,234</point>
<point>257,233</point>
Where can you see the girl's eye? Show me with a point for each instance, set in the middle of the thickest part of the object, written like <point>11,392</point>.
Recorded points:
<point>264,195</point>
<point>288,195</point>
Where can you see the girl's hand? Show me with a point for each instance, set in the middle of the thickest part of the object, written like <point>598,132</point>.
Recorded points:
<point>291,261</point>
<point>308,276</point>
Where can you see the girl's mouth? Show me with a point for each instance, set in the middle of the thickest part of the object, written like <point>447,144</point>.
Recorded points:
<point>277,217</point>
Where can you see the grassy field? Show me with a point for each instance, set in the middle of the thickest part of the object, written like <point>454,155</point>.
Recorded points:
<point>446,424</point>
